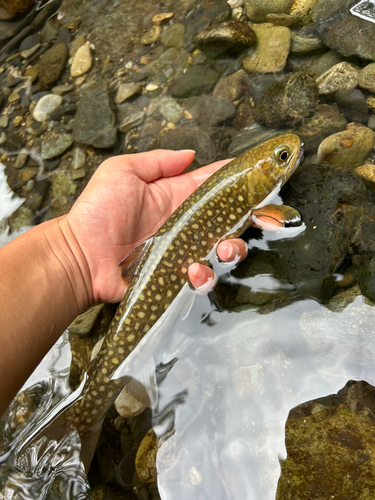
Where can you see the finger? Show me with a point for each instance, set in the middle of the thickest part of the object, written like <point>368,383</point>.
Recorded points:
<point>230,250</point>
<point>203,278</point>
<point>159,163</point>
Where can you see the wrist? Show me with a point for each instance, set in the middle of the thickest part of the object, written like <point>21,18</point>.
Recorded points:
<point>69,262</point>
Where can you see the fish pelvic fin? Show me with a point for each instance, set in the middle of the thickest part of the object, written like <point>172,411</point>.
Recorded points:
<point>132,262</point>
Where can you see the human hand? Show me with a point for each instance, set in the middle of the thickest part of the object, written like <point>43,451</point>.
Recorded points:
<point>127,200</point>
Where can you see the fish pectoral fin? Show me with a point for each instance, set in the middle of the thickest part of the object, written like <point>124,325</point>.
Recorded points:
<point>272,217</point>
<point>131,263</point>
<point>144,386</point>
<point>88,445</point>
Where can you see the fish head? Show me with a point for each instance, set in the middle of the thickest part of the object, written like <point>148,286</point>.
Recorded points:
<point>273,162</point>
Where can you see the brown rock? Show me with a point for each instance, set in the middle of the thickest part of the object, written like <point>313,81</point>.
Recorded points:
<point>16,6</point>
<point>225,38</point>
<point>367,172</point>
<point>52,64</point>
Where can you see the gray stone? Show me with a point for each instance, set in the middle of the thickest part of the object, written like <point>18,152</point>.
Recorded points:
<point>82,61</point>
<point>287,102</point>
<point>257,10</point>
<point>21,158</point>
<point>78,174</point>
<point>170,109</point>
<point>62,89</point>
<point>55,144</point>
<point>272,49</point>
<point>132,121</point>
<point>79,158</point>
<point>4,119</point>
<point>366,77</point>
<point>343,32</point>
<point>46,106</point>
<point>231,38</point>
<point>324,63</point>
<point>203,13</point>
<point>173,36</point>
<point>95,120</point>
<point>339,77</point>
<point>231,87</point>
<point>209,110</point>
<point>349,148</point>
<point>30,42</point>
<point>171,60</point>
<point>371,122</point>
<point>127,90</point>
<point>352,104</point>
<point>197,80</point>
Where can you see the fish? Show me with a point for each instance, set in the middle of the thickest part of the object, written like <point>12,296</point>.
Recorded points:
<point>223,207</point>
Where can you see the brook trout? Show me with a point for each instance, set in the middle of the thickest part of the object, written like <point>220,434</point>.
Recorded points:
<point>157,270</point>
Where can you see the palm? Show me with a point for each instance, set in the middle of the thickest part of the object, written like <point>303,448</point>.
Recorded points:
<point>126,202</point>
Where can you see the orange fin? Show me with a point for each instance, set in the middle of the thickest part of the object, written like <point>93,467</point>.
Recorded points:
<point>132,262</point>
<point>272,217</point>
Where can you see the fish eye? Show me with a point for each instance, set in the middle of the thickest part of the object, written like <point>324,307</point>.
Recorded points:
<point>282,154</point>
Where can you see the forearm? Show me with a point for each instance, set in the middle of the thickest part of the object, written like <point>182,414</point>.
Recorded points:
<point>43,287</point>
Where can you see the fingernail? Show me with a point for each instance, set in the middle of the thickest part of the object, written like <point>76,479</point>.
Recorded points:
<point>184,150</point>
<point>199,273</point>
<point>231,250</point>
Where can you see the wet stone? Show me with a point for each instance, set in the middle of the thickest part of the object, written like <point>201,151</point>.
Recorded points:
<point>367,172</point>
<point>145,461</point>
<point>82,61</point>
<point>132,121</point>
<point>78,174</point>
<point>127,90</point>
<point>95,121</point>
<point>170,109</point>
<point>257,10</point>
<point>62,89</point>
<point>340,77</point>
<point>301,11</point>
<point>203,13</point>
<point>55,144</point>
<point>305,41</point>
<point>279,19</point>
<point>272,49</point>
<point>161,18</point>
<point>366,77</point>
<point>324,63</point>
<point>348,148</point>
<point>46,106</point>
<point>209,110</point>
<point>231,87</point>
<point>4,119</point>
<point>21,159</point>
<point>288,101</point>
<point>127,405</point>
<point>62,185</point>
<point>173,36</point>
<point>30,42</point>
<point>151,36</point>
<point>52,64</point>
<point>78,158</point>
<point>232,37</point>
<point>353,106</point>
<point>197,80</point>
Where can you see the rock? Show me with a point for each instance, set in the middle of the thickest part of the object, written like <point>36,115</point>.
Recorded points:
<point>196,138</point>
<point>173,36</point>
<point>171,61</point>
<point>352,104</point>
<point>279,19</point>
<point>288,101</point>
<point>248,381</point>
<point>250,137</point>
<point>348,148</point>
<point>370,101</point>
<point>55,144</point>
<point>305,41</point>
<point>52,64</point>
<point>325,121</point>
<point>367,172</point>
<point>209,110</point>
<point>82,61</point>
<point>62,185</point>
<point>46,106</point>
<point>79,158</point>
<point>197,80</point>
<point>151,36</point>
<point>363,248</point>
<point>132,121</point>
<point>340,30</point>
<point>63,36</point>
<point>203,13</point>
<point>30,42</point>
<point>127,405</point>
<point>21,158</point>
<point>170,109</point>
<point>271,52</point>
<point>161,18</point>
<point>230,38</point>
<point>257,10</point>
<point>324,63</point>
<point>4,119</point>
<point>17,6</point>
<point>62,89</point>
<point>366,77</point>
<point>78,174</point>
<point>145,461</point>
<point>76,45</point>
<point>231,87</point>
<point>32,73</point>
<point>339,77</point>
<point>5,15</point>
<point>127,90</point>
<point>371,122</point>
<point>301,11</point>
<point>95,121</point>
<point>84,323</point>
<point>50,30</point>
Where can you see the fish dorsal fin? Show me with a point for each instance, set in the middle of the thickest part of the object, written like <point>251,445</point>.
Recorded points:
<point>131,263</point>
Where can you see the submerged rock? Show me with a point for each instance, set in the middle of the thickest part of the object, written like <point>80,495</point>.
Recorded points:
<point>52,64</point>
<point>230,38</point>
<point>127,90</point>
<point>46,106</point>
<point>231,87</point>
<point>173,36</point>
<point>353,106</point>
<point>197,80</point>
<point>82,61</point>
<point>348,148</point>
<point>301,11</point>
<point>209,110</point>
<point>55,144</point>
<point>272,50</point>
<point>339,77</point>
<point>366,77</point>
<point>257,10</point>
<point>203,13</point>
<point>288,101</point>
<point>95,120</point>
